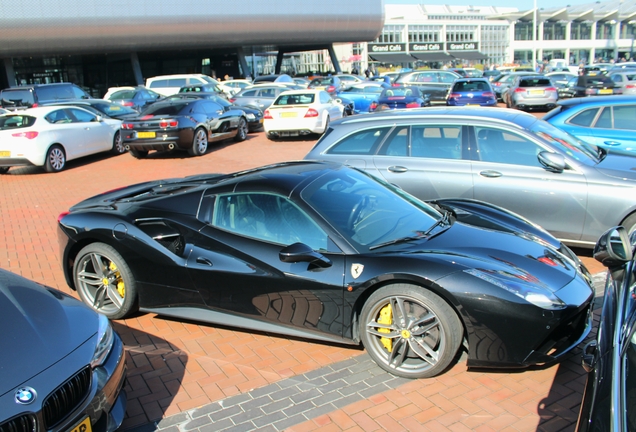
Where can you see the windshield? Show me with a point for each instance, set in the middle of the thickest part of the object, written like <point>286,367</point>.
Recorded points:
<point>123,94</point>
<point>566,143</point>
<point>367,211</point>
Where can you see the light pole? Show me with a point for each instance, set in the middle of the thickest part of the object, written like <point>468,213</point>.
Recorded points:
<point>534,36</point>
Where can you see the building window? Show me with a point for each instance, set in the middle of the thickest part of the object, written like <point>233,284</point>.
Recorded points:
<point>581,30</point>
<point>460,33</point>
<point>391,34</point>
<point>605,29</point>
<point>554,30</point>
<point>424,33</point>
<point>523,30</point>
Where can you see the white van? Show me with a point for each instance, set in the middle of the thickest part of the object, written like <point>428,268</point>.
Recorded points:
<point>168,85</point>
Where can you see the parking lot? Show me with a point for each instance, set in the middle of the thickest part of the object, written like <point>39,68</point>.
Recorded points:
<point>191,376</point>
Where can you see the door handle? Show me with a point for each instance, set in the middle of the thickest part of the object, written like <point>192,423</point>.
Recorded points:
<point>490,173</point>
<point>204,261</point>
<point>397,169</point>
<point>612,143</point>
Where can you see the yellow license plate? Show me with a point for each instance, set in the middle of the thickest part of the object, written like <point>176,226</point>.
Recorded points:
<point>536,92</point>
<point>83,426</point>
<point>146,134</point>
<point>5,154</point>
<point>288,114</point>
<point>605,91</point>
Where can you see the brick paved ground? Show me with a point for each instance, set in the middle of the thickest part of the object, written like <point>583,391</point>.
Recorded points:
<point>186,376</point>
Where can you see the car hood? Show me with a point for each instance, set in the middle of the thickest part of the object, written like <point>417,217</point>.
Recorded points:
<point>618,164</point>
<point>40,326</point>
<point>500,243</point>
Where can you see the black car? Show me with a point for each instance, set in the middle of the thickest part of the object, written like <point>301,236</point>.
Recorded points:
<point>589,85</point>
<point>29,96</point>
<point>136,98</point>
<point>324,251</point>
<point>62,367</point>
<point>610,360</point>
<point>102,107</point>
<point>254,116</point>
<point>187,124</point>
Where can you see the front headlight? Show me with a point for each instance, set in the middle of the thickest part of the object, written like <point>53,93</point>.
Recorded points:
<point>250,116</point>
<point>105,338</point>
<point>536,295</point>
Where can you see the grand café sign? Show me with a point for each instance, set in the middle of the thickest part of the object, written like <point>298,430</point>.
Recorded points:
<point>425,47</point>
<point>462,46</point>
<point>386,48</point>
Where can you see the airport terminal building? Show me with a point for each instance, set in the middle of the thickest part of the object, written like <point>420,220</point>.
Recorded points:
<point>103,43</point>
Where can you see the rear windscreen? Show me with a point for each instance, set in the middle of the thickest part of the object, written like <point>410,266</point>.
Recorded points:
<point>123,94</point>
<point>172,109</point>
<point>16,121</point>
<point>295,99</point>
<point>535,82</point>
<point>18,97</point>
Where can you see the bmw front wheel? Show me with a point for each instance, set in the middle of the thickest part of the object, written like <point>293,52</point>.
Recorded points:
<point>409,331</point>
<point>104,281</point>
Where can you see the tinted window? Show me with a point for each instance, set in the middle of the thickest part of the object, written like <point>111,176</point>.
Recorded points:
<point>439,142</point>
<point>16,121</point>
<point>17,97</point>
<point>605,119</point>
<point>160,83</point>
<point>447,77</point>
<point>248,93</point>
<point>54,92</point>
<point>82,116</point>
<point>471,86</point>
<point>59,117</point>
<point>535,82</point>
<point>584,118</point>
<point>122,94</point>
<point>212,108</point>
<point>625,117</point>
<point>78,93</point>
<point>364,142</point>
<point>295,99</point>
<point>267,217</point>
<point>114,109</point>
<point>172,109</point>
<point>177,82</point>
<point>496,145</point>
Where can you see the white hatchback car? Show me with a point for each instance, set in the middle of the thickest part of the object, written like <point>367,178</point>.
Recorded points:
<point>49,136</point>
<point>301,112</point>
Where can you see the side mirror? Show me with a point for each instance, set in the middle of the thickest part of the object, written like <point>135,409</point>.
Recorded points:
<point>300,252</point>
<point>98,118</point>
<point>613,249</point>
<point>338,100</point>
<point>552,161</point>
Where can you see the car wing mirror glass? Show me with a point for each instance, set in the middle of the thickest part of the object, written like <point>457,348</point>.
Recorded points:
<point>552,161</point>
<point>613,248</point>
<point>300,252</point>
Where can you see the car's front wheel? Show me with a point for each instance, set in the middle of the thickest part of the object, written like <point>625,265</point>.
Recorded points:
<point>410,331</point>
<point>104,281</point>
<point>241,133</point>
<point>4,170</point>
<point>55,159</point>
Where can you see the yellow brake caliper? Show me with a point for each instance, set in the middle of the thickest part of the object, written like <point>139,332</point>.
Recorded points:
<point>386,318</point>
<point>120,283</point>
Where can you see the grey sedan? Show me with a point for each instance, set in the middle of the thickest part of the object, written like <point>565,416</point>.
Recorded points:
<point>574,190</point>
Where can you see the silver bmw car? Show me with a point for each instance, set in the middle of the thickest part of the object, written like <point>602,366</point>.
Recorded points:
<point>574,190</point>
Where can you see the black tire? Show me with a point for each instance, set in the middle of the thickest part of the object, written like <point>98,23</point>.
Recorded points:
<point>4,170</point>
<point>118,145</point>
<point>406,345</point>
<point>138,154</point>
<point>242,130</point>
<point>630,223</point>
<point>55,159</point>
<point>271,137</point>
<point>110,289</point>
<point>199,143</point>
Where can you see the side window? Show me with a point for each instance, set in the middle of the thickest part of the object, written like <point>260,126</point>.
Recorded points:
<point>78,93</point>
<point>447,77</point>
<point>625,117</point>
<point>426,77</point>
<point>269,218</point>
<point>249,93</point>
<point>498,146</point>
<point>364,142</point>
<point>616,78</point>
<point>605,119</point>
<point>192,81</point>
<point>439,142</point>
<point>177,82</point>
<point>160,83</point>
<point>397,144</point>
<point>584,118</point>
<point>212,108</point>
<point>59,116</point>
<point>324,97</point>
<point>82,116</point>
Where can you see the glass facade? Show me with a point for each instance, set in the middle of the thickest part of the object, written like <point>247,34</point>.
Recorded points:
<point>581,30</point>
<point>554,30</point>
<point>494,42</point>
<point>523,30</point>
<point>461,33</point>
<point>391,34</point>
<point>425,33</point>
<point>605,29</point>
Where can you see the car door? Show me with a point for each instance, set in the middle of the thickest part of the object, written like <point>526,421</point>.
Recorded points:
<point>615,127</point>
<point>97,135</point>
<point>73,135</point>
<point>426,160</point>
<point>509,174</point>
<point>238,269</point>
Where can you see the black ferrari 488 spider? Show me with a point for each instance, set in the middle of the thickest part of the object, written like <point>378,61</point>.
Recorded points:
<point>323,251</point>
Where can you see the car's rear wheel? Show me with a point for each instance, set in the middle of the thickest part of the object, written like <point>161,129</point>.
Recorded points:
<point>138,154</point>
<point>104,281</point>
<point>118,144</point>
<point>55,159</point>
<point>199,143</point>
<point>409,331</point>
<point>4,170</point>
<point>241,133</point>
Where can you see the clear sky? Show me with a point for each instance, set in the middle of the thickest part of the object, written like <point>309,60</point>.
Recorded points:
<point>519,4</point>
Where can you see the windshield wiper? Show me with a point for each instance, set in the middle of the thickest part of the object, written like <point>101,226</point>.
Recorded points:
<point>444,220</point>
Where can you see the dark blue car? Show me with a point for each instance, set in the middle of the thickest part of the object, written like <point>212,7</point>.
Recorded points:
<point>401,97</point>
<point>364,94</point>
<point>605,121</point>
<point>471,91</point>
